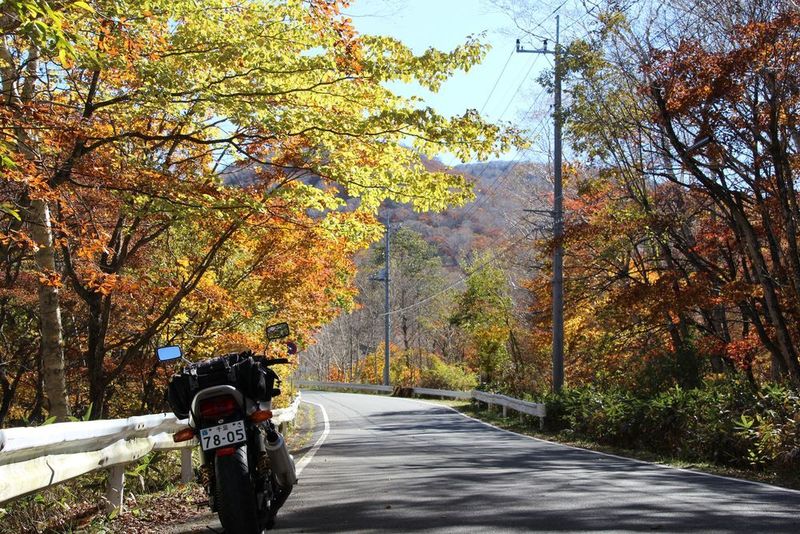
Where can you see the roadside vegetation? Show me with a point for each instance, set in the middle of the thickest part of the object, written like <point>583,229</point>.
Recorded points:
<point>154,496</point>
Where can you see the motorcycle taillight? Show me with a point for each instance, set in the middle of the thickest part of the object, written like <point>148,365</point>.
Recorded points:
<point>221,406</point>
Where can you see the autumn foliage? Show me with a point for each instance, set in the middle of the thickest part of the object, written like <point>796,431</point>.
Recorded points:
<point>682,226</point>
<point>177,173</point>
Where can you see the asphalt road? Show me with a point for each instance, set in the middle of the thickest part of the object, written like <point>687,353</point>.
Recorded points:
<point>401,465</point>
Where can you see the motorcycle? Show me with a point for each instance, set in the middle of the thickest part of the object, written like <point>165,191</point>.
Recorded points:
<point>246,469</point>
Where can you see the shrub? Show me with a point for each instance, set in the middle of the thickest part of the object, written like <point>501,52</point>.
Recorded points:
<point>772,429</point>
<point>724,421</point>
<point>441,375</point>
<point>611,417</point>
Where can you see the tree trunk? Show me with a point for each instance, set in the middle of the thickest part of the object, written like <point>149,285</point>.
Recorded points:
<point>773,304</point>
<point>152,399</point>
<point>9,391</point>
<point>95,356</point>
<point>52,344</point>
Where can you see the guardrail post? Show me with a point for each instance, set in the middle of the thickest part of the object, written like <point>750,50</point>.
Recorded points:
<point>115,488</point>
<point>187,473</point>
<point>505,411</point>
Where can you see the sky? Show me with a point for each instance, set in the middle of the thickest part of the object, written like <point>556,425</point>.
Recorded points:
<point>503,87</point>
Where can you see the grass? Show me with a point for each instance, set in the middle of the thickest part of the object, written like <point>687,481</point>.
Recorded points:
<point>68,507</point>
<point>302,430</point>
<point>529,426</point>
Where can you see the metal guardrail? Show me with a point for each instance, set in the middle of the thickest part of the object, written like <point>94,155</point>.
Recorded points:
<point>341,385</point>
<point>38,457</point>
<point>463,395</point>
<point>534,409</point>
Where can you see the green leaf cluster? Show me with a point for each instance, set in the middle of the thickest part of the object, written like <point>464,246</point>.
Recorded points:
<point>263,81</point>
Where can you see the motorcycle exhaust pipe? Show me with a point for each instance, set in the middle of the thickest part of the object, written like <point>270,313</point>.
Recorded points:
<point>282,462</point>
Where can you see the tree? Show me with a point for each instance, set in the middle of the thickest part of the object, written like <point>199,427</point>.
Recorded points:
<point>745,98</point>
<point>37,29</point>
<point>483,311</point>
<point>131,140</point>
<point>416,274</point>
<point>688,117</point>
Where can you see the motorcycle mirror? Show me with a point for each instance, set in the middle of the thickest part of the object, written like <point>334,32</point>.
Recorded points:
<point>277,331</point>
<point>167,354</point>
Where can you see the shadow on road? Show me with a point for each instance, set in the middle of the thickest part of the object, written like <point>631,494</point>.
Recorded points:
<point>431,469</point>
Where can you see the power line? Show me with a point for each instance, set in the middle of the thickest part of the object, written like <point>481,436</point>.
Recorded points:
<point>497,82</point>
<point>519,88</point>
<point>497,181</point>
<point>480,174</point>
<point>544,20</point>
<point>510,166</point>
<point>491,191</point>
<point>495,255</point>
<point>576,21</point>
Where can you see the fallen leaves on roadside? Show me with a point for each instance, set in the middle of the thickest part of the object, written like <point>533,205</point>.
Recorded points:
<point>155,512</point>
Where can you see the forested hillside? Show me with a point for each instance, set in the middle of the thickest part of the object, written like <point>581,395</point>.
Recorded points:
<point>487,246</point>
<point>503,190</point>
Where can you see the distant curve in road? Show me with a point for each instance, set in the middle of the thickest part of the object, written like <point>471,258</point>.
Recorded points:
<point>402,465</point>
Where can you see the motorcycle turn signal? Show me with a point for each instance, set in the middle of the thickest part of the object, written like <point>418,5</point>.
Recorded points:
<point>183,435</point>
<point>259,416</point>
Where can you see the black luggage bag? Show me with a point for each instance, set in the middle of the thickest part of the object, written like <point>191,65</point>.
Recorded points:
<point>240,370</point>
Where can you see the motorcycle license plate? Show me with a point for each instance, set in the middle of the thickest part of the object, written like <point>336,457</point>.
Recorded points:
<point>224,435</point>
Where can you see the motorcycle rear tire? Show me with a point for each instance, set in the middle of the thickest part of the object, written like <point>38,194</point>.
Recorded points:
<point>237,508</point>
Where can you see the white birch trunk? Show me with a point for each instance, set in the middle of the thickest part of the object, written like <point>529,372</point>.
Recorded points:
<point>49,312</point>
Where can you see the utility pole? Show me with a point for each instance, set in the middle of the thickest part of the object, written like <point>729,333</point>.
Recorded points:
<point>558,217</point>
<point>383,276</point>
<point>386,317</point>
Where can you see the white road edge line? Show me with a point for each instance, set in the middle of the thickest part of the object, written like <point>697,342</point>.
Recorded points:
<point>599,453</point>
<point>304,461</point>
